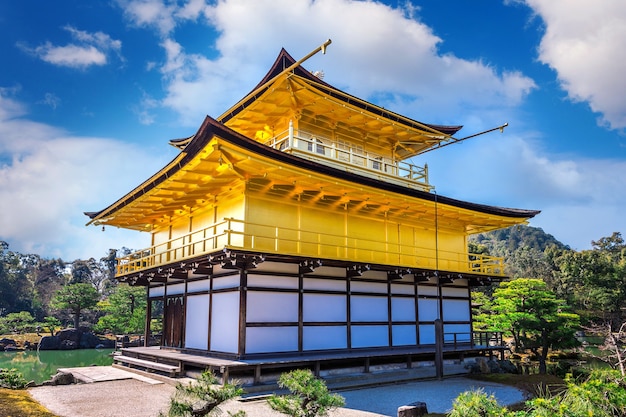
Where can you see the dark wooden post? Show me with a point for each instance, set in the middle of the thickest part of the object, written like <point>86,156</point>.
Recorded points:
<point>439,348</point>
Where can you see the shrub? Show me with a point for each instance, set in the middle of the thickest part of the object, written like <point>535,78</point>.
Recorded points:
<point>309,395</point>
<point>201,397</point>
<point>11,378</point>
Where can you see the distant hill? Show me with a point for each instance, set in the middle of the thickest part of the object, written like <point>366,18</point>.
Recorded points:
<point>506,241</point>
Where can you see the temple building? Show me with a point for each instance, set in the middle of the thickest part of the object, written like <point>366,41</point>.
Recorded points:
<point>296,226</point>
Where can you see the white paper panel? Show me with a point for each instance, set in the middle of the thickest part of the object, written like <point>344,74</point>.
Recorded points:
<point>370,336</point>
<point>402,289</point>
<point>456,310</point>
<point>402,309</point>
<point>271,339</point>
<point>363,308</point>
<point>427,334</point>
<point>427,309</point>
<point>229,281</point>
<point>454,292</point>
<point>265,306</point>
<point>324,337</point>
<point>225,322</point>
<point>197,322</point>
<point>157,291</point>
<point>426,290</point>
<point>270,281</point>
<point>462,332</point>
<point>373,287</point>
<point>324,284</point>
<point>324,307</point>
<point>197,286</point>
<point>404,335</point>
<point>176,289</point>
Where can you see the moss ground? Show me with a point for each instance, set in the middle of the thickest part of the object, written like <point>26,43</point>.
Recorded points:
<point>19,403</point>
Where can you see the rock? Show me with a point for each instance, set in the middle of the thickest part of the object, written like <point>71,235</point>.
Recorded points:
<point>60,378</point>
<point>68,345</point>
<point>49,343</point>
<point>416,409</point>
<point>89,341</point>
<point>7,342</point>
<point>69,334</point>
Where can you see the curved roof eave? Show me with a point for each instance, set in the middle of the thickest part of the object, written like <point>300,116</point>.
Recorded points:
<point>211,127</point>
<point>284,60</point>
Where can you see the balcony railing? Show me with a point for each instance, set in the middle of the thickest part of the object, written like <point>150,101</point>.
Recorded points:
<point>237,234</point>
<point>348,157</point>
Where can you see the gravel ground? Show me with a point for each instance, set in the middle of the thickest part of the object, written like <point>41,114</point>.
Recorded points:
<point>133,398</point>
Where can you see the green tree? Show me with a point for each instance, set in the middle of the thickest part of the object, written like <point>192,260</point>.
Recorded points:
<point>309,395</point>
<point>537,320</point>
<point>125,310</point>
<point>76,298</point>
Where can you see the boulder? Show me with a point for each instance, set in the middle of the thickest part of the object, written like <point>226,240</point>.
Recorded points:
<point>68,345</point>
<point>49,343</point>
<point>416,409</point>
<point>69,334</point>
<point>60,378</point>
<point>89,341</point>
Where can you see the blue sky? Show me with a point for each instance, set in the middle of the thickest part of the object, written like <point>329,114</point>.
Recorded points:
<point>91,92</point>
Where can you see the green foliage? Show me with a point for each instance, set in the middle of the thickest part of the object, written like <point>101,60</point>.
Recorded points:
<point>51,323</point>
<point>201,397</point>
<point>309,395</point>
<point>76,298</point>
<point>125,310</point>
<point>535,318</point>
<point>21,322</point>
<point>12,379</point>
<point>603,394</point>
<point>477,404</point>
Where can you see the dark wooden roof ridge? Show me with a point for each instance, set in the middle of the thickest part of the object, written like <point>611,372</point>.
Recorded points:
<point>211,127</point>
<point>284,60</point>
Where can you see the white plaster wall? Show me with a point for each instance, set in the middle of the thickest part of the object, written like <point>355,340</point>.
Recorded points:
<point>269,281</point>
<point>369,336</point>
<point>426,290</point>
<point>364,308</point>
<point>157,291</point>
<point>265,306</point>
<point>324,337</point>
<point>197,322</point>
<point>402,309</point>
<point>324,308</point>
<point>324,284</point>
<point>427,309</point>
<point>225,322</point>
<point>373,287</point>
<point>271,339</point>
<point>229,281</point>
<point>456,310</point>
<point>427,334</point>
<point>197,286</point>
<point>403,335</point>
<point>454,292</point>
<point>176,289</point>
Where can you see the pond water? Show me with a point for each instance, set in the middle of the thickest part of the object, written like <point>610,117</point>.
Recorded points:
<point>40,366</point>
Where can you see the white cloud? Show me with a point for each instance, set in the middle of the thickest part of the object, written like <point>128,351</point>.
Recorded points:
<point>379,51</point>
<point>88,49</point>
<point>48,178</point>
<point>583,43</point>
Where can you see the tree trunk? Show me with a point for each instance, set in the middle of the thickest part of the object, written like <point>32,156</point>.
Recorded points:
<point>76,318</point>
